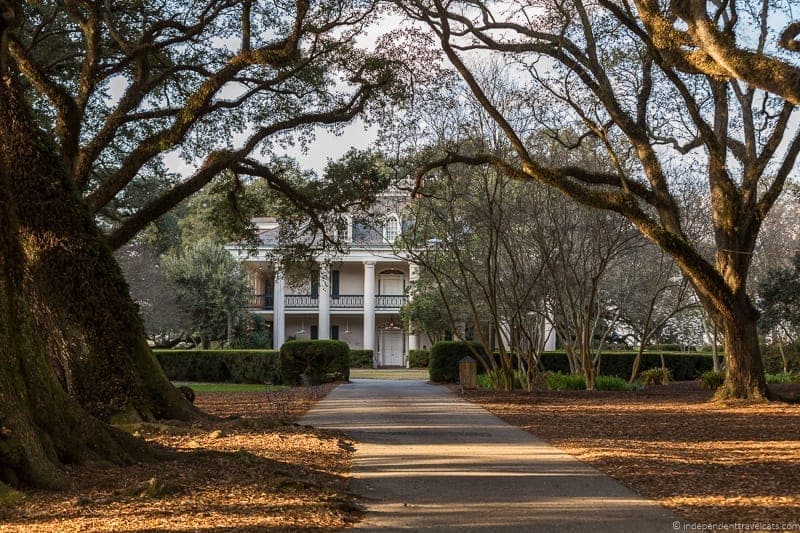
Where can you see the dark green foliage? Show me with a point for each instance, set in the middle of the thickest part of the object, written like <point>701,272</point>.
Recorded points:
<point>562,381</point>
<point>712,380</point>
<point>684,366</point>
<point>361,358</point>
<point>614,383</point>
<point>316,359</point>
<point>418,358</point>
<point>783,377</point>
<point>664,348</point>
<point>444,357</point>
<point>220,366</point>
<point>773,362</point>
<point>187,393</point>
<point>779,299</point>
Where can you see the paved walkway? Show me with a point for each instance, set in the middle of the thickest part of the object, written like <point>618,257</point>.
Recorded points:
<point>426,459</point>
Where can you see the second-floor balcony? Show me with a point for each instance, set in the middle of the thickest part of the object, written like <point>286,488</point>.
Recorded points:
<point>260,301</point>
<point>337,301</point>
<point>390,301</point>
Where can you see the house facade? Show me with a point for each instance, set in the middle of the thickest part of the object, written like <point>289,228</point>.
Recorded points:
<point>354,297</point>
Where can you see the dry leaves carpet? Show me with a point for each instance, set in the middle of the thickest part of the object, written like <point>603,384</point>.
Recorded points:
<point>248,474</point>
<point>734,463</point>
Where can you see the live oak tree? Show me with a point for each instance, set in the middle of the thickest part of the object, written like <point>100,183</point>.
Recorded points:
<point>712,38</point>
<point>92,95</point>
<point>613,73</point>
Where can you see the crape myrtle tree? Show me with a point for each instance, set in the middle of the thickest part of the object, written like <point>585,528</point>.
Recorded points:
<point>580,249</point>
<point>655,294</point>
<point>603,68</point>
<point>469,234</point>
<point>92,95</point>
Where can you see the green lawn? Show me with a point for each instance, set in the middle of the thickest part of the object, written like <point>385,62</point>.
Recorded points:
<point>228,387</point>
<point>389,373</point>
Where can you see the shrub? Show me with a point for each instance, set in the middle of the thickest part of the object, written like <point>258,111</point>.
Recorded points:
<point>220,366</point>
<point>613,383</point>
<point>418,358</point>
<point>655,376</point>
<point>712,380</point>
<point>361,358</point>
<point>444,357</point>
<point>561,381</point>
<point>783,377</point>
<point>187,393</point>
<point>316,359</point>
<point>684,366</point>
<point>485,382</point>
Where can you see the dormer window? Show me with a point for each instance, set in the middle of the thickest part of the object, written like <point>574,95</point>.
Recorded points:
<point>348,229</point>
<point>344,229</point>
<point>391,228</point>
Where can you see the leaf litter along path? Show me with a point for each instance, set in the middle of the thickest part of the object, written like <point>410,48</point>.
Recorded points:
<point>249,474</point>
<point>735,463</point>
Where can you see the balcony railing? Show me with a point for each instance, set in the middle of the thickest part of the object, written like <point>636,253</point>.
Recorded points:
<point>260,301</point>
<point>341,301</point>
<point>347,301</point>
<point>303,301</point>
<point>390,301</point>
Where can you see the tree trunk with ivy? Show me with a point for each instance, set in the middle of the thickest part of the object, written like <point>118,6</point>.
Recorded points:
<point>73,351</point>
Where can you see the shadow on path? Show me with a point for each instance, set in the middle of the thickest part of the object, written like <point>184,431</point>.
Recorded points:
<point>426,459</point>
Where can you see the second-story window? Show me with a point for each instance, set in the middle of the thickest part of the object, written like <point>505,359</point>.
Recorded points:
<point>344,229</point>
<point>391,228</point>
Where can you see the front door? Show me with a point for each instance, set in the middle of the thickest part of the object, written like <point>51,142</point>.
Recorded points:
<point>392,348</point>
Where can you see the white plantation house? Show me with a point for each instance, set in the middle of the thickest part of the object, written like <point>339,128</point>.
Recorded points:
<point>355,296</point>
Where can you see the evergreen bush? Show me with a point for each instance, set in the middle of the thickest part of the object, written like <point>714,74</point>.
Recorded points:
<point>361,358</point>
<point>712,380</point>
<point>683,365</point>
<point>316,359</point>
<point>220,366</point>
<point>655,376</point>
<point>418,358</point>
<point>444,357</point>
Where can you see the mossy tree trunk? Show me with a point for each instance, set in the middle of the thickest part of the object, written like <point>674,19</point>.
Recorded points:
<point>72,348</point>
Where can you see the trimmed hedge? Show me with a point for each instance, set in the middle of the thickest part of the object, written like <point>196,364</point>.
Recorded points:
<point>444,357</point>
<point>220,366</point>
<point>418,358</point>
<point>316,359</point>
<point>684,365</point>
<point>361,358</point>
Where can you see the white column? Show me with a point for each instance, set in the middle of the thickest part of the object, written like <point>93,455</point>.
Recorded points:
<point>413,276</point>
<point>549,333</point>
<point>324,322</point>
<point>369,306</point>
<point>278,312</point>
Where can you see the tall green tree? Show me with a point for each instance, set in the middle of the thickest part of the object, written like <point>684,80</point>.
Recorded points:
<point>211,287</point>
<point>779,300</point>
